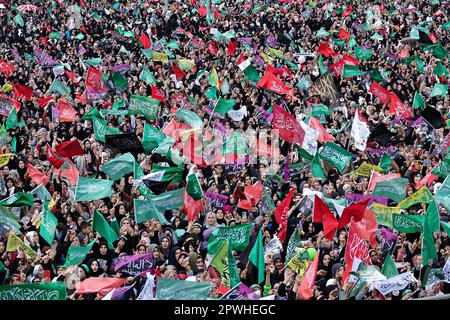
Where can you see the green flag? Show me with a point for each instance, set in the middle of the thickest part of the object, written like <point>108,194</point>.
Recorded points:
<point>363,54</point>
<point>320,108</point>
<point>187,65</point>
<point>442,195</point>
<point>171,289</point>
<point>34,291</point>
<point>144,105</point>
<point>173,174</point>
<point>440,70</point>
<point>235,143</point>
<point>429,226</point>
<point>386,162</point>
<point>145,210</point>
<point>220,262</point>
<point>48,225</point>
<point>193,187</point>
<point>407,223</point>
<point>93,62</point>
<point>41,192</point>
<point>169,200</point>
<point>138,173</point>
<point>224,105</point>
<point>118,167</point>
<point>18,20</point>
<point>211,93</point>
<point>13,120</point>
<point>59,88</point>
<point>119,80</point>
<point>439,90</point>
<point>189,117</point>
<point>237,236</point>
<point>151,138</point>
<point>251,73</point>
<point>394,189</point>
<point>55,35</point>
<point>92,189</point>
<point>8,220</point>
<point>256,257</point>
<point>316,168</point>
<point>147,76</point>
<point>419,102</point>
<point>446,227</point>
<point>100,225</point>
<point>351,71</point>
<point>336,155</point>
<point>443,169</point>
<point>376,75</point>
<point>91,114</point>
<point>76,255</point>
<point>18,199</point>
<point>101,129</point>
<point>389,269</point>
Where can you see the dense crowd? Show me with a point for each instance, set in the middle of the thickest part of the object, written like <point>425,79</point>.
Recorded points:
<point>72,71</point>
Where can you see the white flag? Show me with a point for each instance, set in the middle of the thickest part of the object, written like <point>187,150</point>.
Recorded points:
<point>147,291</point>
<point>360,132</point>
<point>310,141</point>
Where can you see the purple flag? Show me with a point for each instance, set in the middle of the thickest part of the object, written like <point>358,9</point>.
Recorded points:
<point>217,200</point>
<point>356,197</point>
<point>118,292</point>
<point>121,68</point>
<point>134,265</point>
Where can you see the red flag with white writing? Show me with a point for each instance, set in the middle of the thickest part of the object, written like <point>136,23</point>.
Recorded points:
<point>43,102</point>
<point>326,50</point>
<point>270,82</point>
<point>356,244</point>
<point>355,211</point>
<point>287,127</point>
<point>158,94</point>
<point>66,112</point>
<point>379,92</point>
<point>280,214</point>
<point>94,79</point>
<point>305,290</point>
<point>6,68</point>
<point>37,176</point>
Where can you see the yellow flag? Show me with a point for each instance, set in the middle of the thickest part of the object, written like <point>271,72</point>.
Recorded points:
<point>14,243</point>
<point>6,87</point>
<point>276,53</point>
<point>186,133</point>
<point>423,195</point>
<point>383,214</point>
<point>365,169</point>
<point>298,265</point>
<point>160,56</point>
<point>266,57</point>
<point>4,159</point>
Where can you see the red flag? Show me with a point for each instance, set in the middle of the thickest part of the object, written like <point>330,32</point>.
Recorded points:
<point>376,177</point>
<point>280,214</point>
<point>241,58</point>
<point>52,158</point>
<point>338,67</point>
<point>356,246</point>
<point>69,148</point>
<point>404,53</point>
<point>71,76</point>
<point>192,207</point>
<point>216,14</point>
<point>379,92</point>
<point>270,82</point>
<point>263,149</point>
<point>355,210</point>
<point>232,47</point>
<point>158,94</point>
<point>70,172</point>
<point>287,126</point>
<point>369,226</point>
<point>347,11</point>
<point>202,11</point>
<point>324,136</point>
<point>350,60</point>
<point>21,91</point>
<point>81,98</point>
<point>180,74</point>
<point>6,68</point>
<point>270,68</point>
<point>323,214</point>
<point>254,192</point>
<point>244,204</point>
<point>188,148</point>
<point>145,41</point>
<point>44,41</point>
<point>398,106</point>
<point>16,104</point>
<point>287,72</point>
<point>428,179</point>
<point>37,176</point>
<point>344,35</point>
<point>305,291</point>
<point>43,102</point>
<point>101,285</point>
<point>94,79</point>
<point>433,37</point>
<point>66,112</point>
<point>212,48</point>
<point>326,50</point>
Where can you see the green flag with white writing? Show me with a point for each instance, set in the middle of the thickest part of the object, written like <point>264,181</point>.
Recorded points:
<point>34,291</point>
<point>430,225</point>
<point>147,76</point>
<point>394,189</point>
<point>88,189</point>
<point>59,88</point>
<point>174,289</point>
<point>101,129</point>
<point>76,255</point>
<point>48,224</point>
<point>18,199</point>
<point>389,269</point>
<point>146,106</point>
<point>189,117</point>
<point>237,236</point>
<point>118,167</point>
<point>145,210</point>
<point>193,187</point>
<point>335,155</point>
<point>151,138</point>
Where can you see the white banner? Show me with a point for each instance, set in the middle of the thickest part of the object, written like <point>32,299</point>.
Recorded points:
<point>395,283</point>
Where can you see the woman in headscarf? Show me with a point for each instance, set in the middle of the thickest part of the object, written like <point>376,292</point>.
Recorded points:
<point>174,256</point>
<point>165,246</point>
<point>37,274</point>
<point>32,240</point>
<point>102,255</point>
<point>94,268</point>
